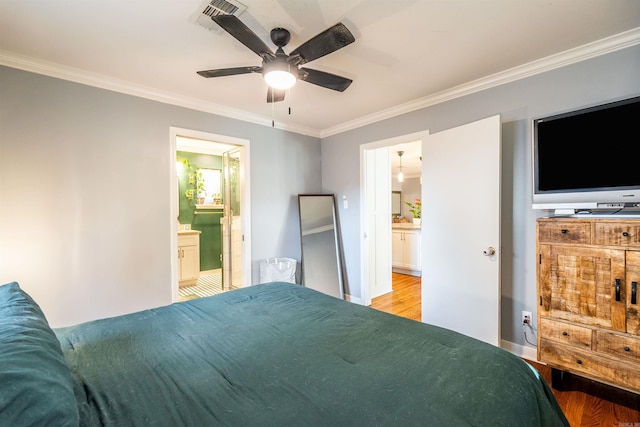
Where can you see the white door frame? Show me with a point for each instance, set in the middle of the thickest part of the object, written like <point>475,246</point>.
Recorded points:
<point>245,200</point>
<point>366,262</point>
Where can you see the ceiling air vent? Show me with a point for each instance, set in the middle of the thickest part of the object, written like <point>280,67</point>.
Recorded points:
<point>216,7</point>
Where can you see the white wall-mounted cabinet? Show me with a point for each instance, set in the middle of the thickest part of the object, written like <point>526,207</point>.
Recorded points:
<point>406,250</point>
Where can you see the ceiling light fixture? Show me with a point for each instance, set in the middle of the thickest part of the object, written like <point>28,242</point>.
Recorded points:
<point>278,75</point>
<point>400,174</point>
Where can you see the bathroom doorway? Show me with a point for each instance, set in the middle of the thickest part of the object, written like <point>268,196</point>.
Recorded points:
<point>210,214</point>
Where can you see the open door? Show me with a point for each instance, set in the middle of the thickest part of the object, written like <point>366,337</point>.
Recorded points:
<point>461,229</point>
<point>232,236</point>
<point>378,187</point>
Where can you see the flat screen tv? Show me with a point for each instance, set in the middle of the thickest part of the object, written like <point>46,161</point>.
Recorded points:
<point>587,159</point>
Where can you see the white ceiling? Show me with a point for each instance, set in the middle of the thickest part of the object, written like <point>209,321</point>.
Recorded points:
<point>407,53</point>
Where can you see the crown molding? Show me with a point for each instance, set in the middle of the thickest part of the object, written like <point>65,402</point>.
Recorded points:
<point>581,53</point>
<point>76,75</point>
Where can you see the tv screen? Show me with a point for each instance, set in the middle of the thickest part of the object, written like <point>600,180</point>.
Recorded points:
<point>585,159</point>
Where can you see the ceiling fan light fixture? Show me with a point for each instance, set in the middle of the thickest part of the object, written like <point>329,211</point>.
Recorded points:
<point>279,79</point>
<point>278,75</point>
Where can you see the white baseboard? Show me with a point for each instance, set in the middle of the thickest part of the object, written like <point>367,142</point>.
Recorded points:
<point>525,352</point>
<point>355,300</point>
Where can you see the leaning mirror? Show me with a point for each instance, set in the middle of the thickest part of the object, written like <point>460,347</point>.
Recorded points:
<point>319,235</point>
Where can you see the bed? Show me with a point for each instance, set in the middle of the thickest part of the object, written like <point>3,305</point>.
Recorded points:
<point>274,354</point>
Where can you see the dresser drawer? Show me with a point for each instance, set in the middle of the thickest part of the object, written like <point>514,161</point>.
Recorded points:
<point>590,365</point>
<point>618,345</point>
<point>564,232</point>
<point>617,234</point>
<point>188,239</point>
<point>566,333</point>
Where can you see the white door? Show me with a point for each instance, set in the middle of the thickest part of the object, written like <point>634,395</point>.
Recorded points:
<point>231,222</point>
<point>379,220</point>
<point>460,223</point>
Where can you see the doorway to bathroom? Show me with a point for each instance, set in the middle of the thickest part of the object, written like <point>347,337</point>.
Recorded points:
<point>210,214</point>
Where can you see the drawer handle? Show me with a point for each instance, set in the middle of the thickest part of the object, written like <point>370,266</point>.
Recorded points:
<point>565,333</point>
<point>627,349</point>
<point>579,362</point>
<point>625,234</point>
<point>617,289</point>
<point>634,291</point>
<point>564,231</point>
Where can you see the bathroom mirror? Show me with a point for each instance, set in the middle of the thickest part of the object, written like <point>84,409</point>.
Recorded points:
<point>209,184</point>
<point>321,249</point>
<point>396,205</point>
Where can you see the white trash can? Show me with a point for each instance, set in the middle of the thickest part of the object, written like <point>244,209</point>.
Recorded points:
<point>278,270</point>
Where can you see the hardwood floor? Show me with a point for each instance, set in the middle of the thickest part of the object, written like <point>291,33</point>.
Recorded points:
<point>405,300</point>
<point>584,402</point>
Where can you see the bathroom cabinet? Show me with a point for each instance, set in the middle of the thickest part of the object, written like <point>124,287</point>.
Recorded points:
<point>188,257</point>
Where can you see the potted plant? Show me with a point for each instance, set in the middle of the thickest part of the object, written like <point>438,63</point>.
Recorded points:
<point>416,210</point>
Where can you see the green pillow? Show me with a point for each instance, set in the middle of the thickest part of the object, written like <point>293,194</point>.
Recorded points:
<point>35,382</point>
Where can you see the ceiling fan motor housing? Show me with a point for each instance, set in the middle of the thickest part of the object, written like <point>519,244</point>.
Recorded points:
<point>280,37</point>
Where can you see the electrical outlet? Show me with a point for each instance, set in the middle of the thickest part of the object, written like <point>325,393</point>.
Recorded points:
<point>527,319</point>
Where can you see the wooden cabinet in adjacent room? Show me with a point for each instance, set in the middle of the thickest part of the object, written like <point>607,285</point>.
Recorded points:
<point>588,320</point>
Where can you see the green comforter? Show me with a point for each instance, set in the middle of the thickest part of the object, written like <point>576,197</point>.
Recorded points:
<point>279,354</point>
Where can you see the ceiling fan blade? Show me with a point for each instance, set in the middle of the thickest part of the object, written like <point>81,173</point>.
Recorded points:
<point>229,71</point>
<point>232,25</point>
<point>328,41</point>
<point>328,80</point>
<point>275,95</point>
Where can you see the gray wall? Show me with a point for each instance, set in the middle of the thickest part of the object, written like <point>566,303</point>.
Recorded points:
<point>72,157</point>
<point>597,80</point>
<point>65,149</point>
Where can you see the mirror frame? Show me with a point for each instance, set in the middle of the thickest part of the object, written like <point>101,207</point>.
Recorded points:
<point>396,202</point>
<point>316,230</point>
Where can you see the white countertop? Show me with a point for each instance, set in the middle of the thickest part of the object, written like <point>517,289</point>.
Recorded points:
<point>189,231</point>
<point>405,226</point>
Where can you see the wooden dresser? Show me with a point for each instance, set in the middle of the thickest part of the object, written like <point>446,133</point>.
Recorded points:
<point>588,319</point>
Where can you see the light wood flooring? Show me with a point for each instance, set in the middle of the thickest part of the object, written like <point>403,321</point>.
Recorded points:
<point>584,402</point>
<point>405,300</point>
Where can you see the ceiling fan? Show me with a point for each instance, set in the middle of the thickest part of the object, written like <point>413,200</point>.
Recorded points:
<point>280,70</point>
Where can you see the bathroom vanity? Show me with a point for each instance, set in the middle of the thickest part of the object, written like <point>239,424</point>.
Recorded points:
<point>188,257</point>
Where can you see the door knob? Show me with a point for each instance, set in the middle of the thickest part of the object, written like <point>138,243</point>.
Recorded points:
<point>489,251</point>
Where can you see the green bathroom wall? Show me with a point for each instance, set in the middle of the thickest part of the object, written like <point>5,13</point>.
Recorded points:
<point>209,221</point>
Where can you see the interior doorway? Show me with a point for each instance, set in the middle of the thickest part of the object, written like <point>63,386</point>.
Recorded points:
<point>378,162</point>
<point>210,211</point>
